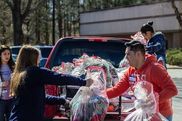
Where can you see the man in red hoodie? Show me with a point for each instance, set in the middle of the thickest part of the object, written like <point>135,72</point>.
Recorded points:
<point>146,67</point>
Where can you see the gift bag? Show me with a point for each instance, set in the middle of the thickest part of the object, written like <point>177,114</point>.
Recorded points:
<point>146,104</point>
<point>79,105</point>
<point>91,103</point>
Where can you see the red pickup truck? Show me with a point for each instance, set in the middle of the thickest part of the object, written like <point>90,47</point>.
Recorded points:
<point>66,49</point>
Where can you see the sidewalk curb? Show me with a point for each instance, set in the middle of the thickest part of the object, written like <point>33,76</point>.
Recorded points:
<point>173,67</point>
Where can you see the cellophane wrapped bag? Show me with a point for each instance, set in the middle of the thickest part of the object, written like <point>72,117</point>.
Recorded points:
<point>79,68</point>
<point>91,103</point>
<point>146,104</point>
<point>139,37</point>
<point>110,72</point>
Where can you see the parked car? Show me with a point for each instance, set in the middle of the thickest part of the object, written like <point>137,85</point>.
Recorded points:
<point>15,51</point>
<point>45,50</point>
<point>66,49</point>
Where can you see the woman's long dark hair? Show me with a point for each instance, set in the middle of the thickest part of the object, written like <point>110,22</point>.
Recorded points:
<point>10,63</point>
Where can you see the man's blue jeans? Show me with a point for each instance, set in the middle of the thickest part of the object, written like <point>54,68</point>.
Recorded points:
<point>169,118</point>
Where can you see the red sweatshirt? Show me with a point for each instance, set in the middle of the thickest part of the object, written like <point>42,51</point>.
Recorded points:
<point>156,74</point>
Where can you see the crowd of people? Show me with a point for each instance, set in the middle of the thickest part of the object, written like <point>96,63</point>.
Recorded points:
<point>22,93</point>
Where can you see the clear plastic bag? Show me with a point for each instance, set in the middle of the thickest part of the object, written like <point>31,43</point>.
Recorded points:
<point>139,37</point>
<point>124,63</point>
<point>79,105</point>
<point>146,104</point>
<point>91,103</point>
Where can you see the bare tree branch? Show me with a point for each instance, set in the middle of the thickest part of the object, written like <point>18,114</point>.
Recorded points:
<point>30,8</point>
<point>27,10</point>
<point>10,3</point>
<point>178,16</point>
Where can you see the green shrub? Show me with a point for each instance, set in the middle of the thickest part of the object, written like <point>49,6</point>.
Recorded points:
<point>174,57</point>
<point>173,51</point>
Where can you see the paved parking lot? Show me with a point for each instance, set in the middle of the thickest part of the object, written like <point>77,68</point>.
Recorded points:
<point>176,74</point>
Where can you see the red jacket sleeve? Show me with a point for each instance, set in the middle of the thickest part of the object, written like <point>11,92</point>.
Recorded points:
<point>161,78</point>
<point>120,87</point>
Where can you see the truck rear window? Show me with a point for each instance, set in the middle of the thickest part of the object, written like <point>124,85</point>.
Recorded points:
<point>111,51</point>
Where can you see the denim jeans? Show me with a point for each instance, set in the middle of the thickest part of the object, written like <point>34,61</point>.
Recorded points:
<point>169,118</point>
<point>5,109</point>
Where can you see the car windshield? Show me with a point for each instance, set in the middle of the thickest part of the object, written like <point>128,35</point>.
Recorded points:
<point>111,51</point>
<point>15,50</point>
<point>45,51</point>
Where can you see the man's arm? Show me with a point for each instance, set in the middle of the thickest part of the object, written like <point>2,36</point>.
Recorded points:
<point>119,88</point>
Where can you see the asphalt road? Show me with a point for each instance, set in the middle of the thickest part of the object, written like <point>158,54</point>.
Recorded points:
<point>176,74</point>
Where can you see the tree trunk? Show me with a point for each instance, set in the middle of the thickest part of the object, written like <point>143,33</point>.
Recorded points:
<point>60,27</point>
<point>47,26</point>
<point>53,21</point>
<point>17,26</point>
<point>37,29</point>
<point>60,22</point>
<point>65,27</point>
<point>69,25</point>
<point>27,39</point>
